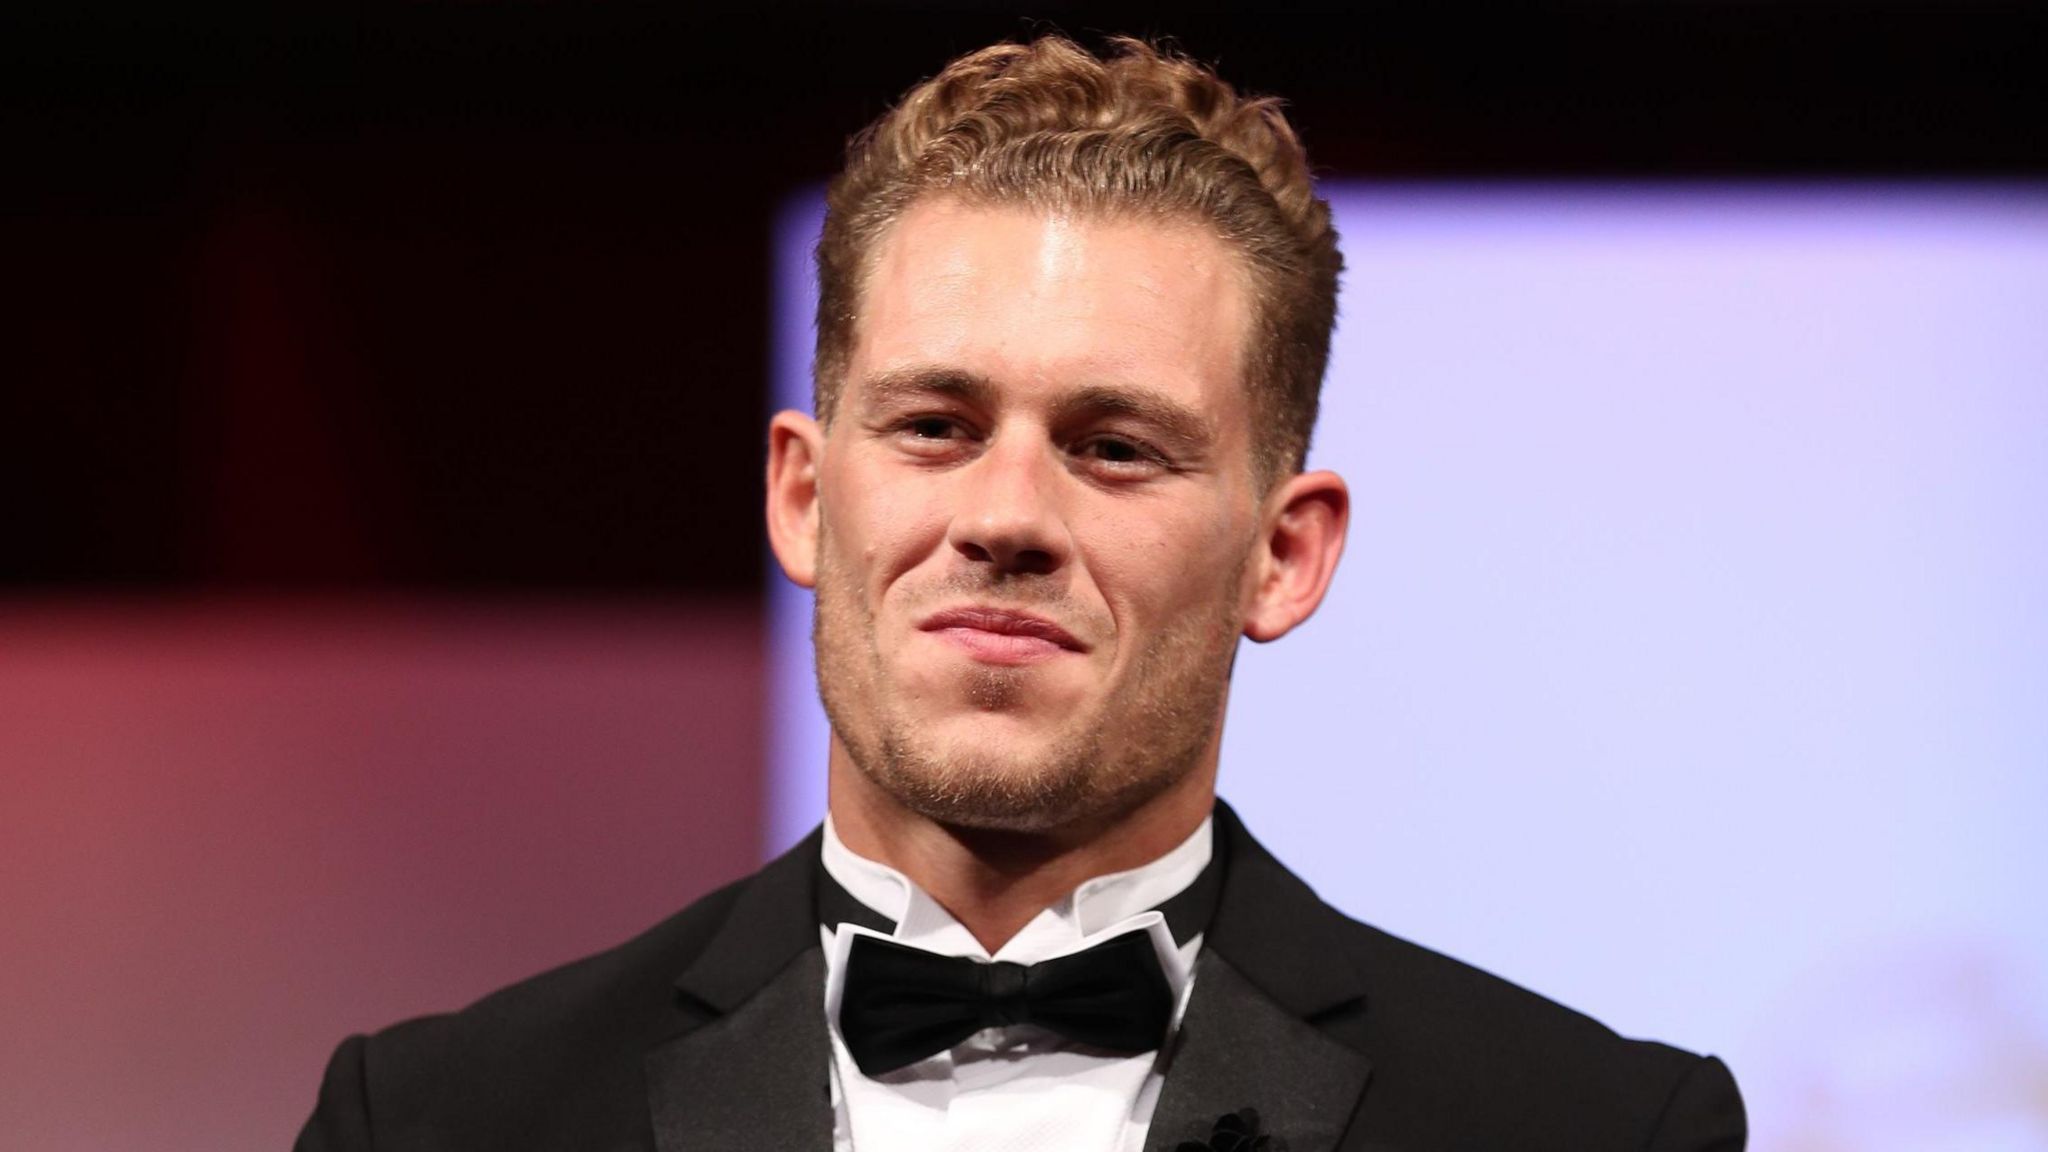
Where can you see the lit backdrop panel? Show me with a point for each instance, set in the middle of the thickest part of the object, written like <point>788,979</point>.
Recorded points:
<point>1689,659</point>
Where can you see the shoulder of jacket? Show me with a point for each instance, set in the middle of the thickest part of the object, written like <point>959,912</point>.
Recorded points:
<point>621,997</point>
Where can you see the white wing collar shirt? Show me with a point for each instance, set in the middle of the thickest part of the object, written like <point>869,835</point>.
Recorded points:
<point>1017,1088</point>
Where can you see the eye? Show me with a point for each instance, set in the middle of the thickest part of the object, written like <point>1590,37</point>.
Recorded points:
<point>1115,451</point>
<point>1121,458</point>
<point>931,436</point>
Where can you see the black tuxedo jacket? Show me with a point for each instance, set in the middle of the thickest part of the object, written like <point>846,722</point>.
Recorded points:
<point>708,1033</point>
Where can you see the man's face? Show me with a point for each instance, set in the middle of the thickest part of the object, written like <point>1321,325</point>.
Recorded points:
<point>1036,507</point>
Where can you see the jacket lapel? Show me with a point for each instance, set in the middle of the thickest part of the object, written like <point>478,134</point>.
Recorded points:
<point>1273,1020</point>
<point>747,1069</point>
<point>1236,1048</point>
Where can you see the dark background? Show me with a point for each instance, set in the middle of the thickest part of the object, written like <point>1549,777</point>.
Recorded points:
<point>474,298</point>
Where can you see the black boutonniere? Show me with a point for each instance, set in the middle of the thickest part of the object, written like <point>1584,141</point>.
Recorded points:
<point>1236,1132</point>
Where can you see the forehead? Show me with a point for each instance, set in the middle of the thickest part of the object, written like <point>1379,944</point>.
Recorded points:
<point>1020,296</point>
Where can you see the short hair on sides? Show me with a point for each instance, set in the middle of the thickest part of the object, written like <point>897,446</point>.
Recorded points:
<point>1141,130</point>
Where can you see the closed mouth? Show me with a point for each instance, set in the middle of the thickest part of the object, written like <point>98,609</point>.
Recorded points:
<point>1002,622</point>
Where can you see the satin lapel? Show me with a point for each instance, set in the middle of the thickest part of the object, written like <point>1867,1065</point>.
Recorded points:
<point>1236,1048</point>
<point>753,1079</point>
<point>748,1068</point>
<point>1278,1017</point>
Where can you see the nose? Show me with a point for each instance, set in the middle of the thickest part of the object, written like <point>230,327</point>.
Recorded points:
<point>1006,513</point>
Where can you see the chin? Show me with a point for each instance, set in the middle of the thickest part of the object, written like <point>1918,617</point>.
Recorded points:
<point>985,780</point>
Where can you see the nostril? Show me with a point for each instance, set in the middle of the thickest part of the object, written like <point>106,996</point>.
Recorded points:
<point>1007,557</point>
<point>1035,561</point>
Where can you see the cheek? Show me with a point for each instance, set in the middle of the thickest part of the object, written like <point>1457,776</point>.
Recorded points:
<point>879,529</point>
<point>1157,567</point>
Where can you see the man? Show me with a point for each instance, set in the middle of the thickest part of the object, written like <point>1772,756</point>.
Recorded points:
<point>1072,326</point>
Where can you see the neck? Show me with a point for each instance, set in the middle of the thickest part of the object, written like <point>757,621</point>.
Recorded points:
<point>995,881</point>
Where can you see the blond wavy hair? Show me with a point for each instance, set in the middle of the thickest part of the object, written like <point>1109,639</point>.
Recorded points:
<point>1144,130</point>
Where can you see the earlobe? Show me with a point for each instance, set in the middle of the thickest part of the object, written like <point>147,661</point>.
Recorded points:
<point>796,449</point>
<point>1306,519</point>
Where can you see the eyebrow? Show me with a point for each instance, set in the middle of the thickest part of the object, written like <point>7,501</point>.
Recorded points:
<point>901,384</point>
<point>1171,419</point>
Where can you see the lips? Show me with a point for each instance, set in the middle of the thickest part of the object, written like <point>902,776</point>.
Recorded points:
<point>1001,635</point>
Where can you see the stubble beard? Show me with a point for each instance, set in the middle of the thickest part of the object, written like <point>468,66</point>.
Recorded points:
<point>1166,716</point>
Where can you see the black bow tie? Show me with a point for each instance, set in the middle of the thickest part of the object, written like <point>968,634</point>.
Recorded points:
<point>901,1004</point>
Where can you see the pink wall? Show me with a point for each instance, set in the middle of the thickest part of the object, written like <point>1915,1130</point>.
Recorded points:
<point>232,832</point>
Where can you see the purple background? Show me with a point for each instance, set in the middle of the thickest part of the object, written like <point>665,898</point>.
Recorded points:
<point>1689,659</point>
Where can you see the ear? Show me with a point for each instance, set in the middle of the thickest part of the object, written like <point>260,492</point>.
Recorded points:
<point>796,449</point>
<point>1305,520</point>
